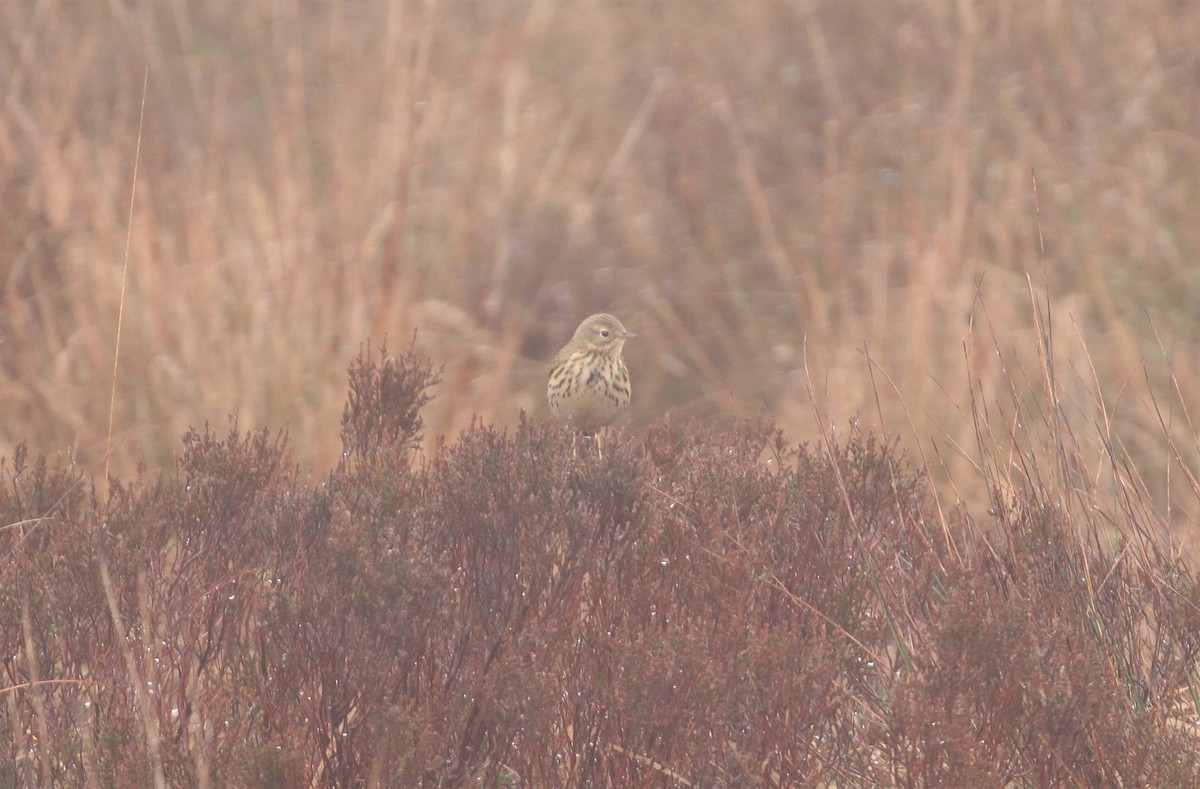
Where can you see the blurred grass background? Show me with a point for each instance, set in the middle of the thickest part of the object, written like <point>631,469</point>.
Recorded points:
<point>788,201</point>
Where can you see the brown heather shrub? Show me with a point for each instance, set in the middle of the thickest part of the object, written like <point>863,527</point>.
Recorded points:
<point>1036,669</point>
<point>698,605</point>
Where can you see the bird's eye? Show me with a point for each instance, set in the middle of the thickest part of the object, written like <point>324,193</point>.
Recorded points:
<point>604,333</point>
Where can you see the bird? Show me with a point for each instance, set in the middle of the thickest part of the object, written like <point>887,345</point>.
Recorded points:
<point>589,382</point>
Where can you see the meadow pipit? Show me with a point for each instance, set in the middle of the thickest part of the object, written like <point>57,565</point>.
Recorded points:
<point>589,383</point>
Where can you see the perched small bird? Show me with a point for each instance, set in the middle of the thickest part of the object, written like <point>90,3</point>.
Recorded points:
<point>589,382</point>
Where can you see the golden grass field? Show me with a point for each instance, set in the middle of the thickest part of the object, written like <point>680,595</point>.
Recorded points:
<point>932,217</point>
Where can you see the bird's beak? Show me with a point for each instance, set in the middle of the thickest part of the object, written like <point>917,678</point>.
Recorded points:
<point>629,334</point>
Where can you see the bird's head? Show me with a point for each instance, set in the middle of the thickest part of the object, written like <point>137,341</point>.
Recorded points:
<point>603,333</point>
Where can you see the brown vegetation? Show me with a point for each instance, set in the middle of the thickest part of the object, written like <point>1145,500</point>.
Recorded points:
<point>967,226</point>
<point>683,611</point>
<point>747,185</point>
